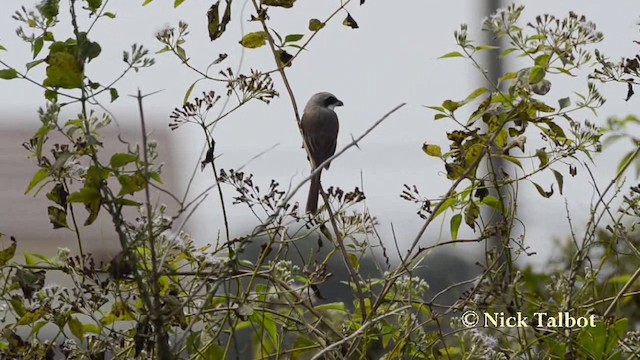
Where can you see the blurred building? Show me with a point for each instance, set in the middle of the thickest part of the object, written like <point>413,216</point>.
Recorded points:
<point>25,216</point>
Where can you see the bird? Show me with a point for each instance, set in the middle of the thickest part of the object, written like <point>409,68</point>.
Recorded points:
<point>320,131</point>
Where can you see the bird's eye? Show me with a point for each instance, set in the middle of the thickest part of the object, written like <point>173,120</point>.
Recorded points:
<point>330,100</point>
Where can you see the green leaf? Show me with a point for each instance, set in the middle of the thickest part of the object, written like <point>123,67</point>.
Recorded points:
<point>32,64</point>
<point>37,46</point>
<point>564,103</point>
<point>293,38</point>
<point>163,50</point>
<point>471,214</point>
<point>49,9</point>
<point>40,175</point>
<point>266,335</point>
<point>563,70</point>
<point>603,338</point>
<point>17,304</point>
<point>94,85</point>
<point>32,316</point>
<point>51,95</point>
<point>76,328</point>
<point>543,60</point>
<point>121,159</point>
<point>472,154</point>
<point>284,58</point>
<point>279,3</point>
<point>182,54</point>
<point>335,306</point>
<point>452,54</point>
<point>537,74</point>
<point>451,105</point>
<point>540,106</point>
<point>88,50</point>
<point>60,161</point>
<point>555,131</point>
<point>254,40</point>
<point>213,351</point>
<point>315,25</point>
<point>454,171</point>
<point>85,195</point>
<point>189,91</point>
<point>35,329</point>
<point>436,108</point>
<point>303,348</point>
<point>64,70</point>
<point>625,160</point>
<point>33,259</point>
<point>126,202</point>
<point>350,22</point>
<point>537,37</point>
<point>58,195</point>
<point>8,74</point>
<point>177,3</point>
<point>454,225</point>
<point>94,5</point>
<point>511,159</point>
<point>57,217</point>
<point>507,52</point>
<point>110,15</point>
<point>502,138</point>
<point>541,88</point>
<point>8,253</point>
<point>486,47</point>
<point>90,328</point>
<point>541,191</point>
<point>559,179</point>
<point>119,312</point>
<point>215,26</point>
<point>432,150</point>
<point>477,92</point>
<point>543,157</point>
<point>93,208</point>
<point>154,175</point>
<point>353,258</point>
<point>492,202</point>
<point>114,94</point>
<point>131,184</point>
<point>446,204</point>
<point>277,35</point>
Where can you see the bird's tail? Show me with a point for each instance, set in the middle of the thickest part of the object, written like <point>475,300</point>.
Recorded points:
<point>314,192</point>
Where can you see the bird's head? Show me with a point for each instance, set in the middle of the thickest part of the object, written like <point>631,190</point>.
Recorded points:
<point>324,99</point>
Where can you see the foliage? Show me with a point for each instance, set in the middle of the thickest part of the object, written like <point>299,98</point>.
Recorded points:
<point>165,297</point>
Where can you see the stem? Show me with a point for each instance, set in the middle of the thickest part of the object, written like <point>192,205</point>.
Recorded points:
<point>162,340</point>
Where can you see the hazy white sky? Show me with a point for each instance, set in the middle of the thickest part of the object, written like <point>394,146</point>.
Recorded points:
<point>392,58</point>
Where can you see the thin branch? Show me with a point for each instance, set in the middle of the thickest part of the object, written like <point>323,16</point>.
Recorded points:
<point>357,333</point>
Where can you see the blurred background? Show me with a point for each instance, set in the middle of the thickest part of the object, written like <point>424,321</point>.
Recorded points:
<point>391,58</point>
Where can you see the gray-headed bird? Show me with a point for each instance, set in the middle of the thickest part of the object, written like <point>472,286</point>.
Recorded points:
<point>320,129</point>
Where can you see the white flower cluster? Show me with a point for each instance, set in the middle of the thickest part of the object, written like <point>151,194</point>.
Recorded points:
<point>502,20</point>
<point>284,271</point>
<point>414,284</point>
<point>483,346</point>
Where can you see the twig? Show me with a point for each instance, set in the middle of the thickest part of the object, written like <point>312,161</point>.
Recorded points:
<point>358,332</point>
<point>162,340</point>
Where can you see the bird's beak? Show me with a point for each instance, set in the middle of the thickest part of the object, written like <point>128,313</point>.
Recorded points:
<point>339,103</point>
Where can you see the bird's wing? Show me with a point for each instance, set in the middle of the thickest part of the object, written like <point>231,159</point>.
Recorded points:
<point>320,128</point>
